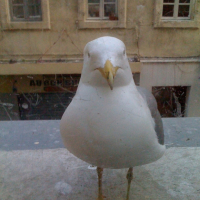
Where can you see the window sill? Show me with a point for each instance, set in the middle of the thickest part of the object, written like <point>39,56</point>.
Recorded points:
<point>100,24</point>
<point>176,24</point>
<point>25,25</point>
<point>7,24</point>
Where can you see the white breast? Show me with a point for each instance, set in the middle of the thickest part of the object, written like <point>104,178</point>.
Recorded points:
<point>112,129</point>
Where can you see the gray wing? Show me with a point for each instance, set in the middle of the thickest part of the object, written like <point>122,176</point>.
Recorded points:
<point>152,104</point>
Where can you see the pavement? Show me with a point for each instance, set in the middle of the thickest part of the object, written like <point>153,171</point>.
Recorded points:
<point>35,166</point>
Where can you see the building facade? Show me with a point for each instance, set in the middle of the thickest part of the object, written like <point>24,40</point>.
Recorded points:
<point>42,42</point>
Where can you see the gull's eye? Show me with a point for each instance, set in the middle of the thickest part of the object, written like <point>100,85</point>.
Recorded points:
<point>88,55</point>
<point>124,52</point>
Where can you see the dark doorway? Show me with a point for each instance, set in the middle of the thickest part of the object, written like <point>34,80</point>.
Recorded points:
<point>171,100</point>
<point>43,106</point>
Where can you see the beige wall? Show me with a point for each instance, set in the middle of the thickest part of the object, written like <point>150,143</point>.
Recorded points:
<point>175,74</point>
<point>65,40</point>
<point>194,98</point>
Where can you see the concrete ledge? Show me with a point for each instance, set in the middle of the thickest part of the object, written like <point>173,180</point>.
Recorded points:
<point>40,68</point>
<point>34,165</point>
<point>50,68</point>
<point>45,134</point>
<point>58,175</point>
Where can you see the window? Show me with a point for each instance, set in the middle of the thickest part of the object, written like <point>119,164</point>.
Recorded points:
<point>176,14</point>
<point>25,10</point>
<point>24,14</point>
<point>101,14</point>
<point>102,9</point>
<point>176,9</point>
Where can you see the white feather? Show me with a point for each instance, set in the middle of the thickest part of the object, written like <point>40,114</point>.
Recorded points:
<point>109,128</point>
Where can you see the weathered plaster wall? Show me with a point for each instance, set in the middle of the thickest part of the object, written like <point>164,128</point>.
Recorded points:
<point>65,40</point>
<point>194,98</point>
<point>175,74</point>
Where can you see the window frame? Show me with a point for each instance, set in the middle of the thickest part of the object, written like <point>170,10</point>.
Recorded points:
<point>170,22</point>
<point>101,10</point>
<point>8,24</point>
<point>26,12</point>
<point>84,22</point>
<point>175,11</point>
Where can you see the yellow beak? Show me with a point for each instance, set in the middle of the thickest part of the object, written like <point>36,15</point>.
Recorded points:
<point>109,73</point>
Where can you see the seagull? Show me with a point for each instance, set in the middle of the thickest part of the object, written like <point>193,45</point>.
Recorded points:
<point>110,122</point>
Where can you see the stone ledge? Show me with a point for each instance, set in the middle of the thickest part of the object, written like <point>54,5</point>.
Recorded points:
<point>58,175</point>
<point>45,134</point>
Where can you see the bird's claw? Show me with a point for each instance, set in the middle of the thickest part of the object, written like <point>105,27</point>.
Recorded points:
<point>101,198</point>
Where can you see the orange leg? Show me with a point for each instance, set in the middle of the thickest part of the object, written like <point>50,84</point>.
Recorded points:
<point>100,173</point>
<point>129,177</point>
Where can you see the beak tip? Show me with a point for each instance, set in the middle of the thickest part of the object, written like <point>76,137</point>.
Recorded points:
<point>109,73</point>
<point>110,85</point>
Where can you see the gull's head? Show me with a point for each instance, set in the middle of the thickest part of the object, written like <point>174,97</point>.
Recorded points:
<point>106,63</point>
